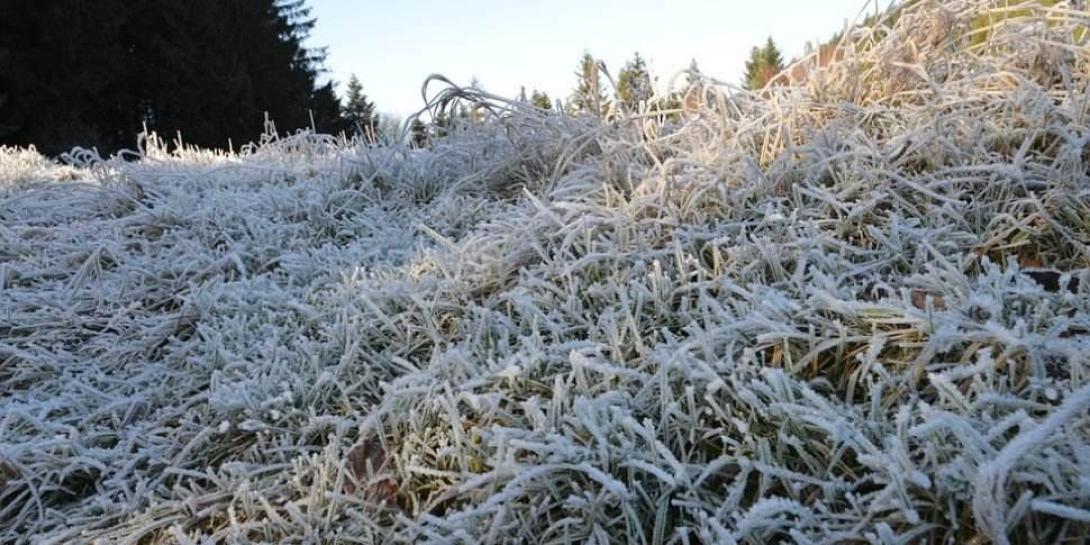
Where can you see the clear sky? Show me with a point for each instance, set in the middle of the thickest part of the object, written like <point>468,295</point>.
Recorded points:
<point>393,45</point>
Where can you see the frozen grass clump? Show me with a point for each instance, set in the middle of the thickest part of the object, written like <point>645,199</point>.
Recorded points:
<point>855,308</point>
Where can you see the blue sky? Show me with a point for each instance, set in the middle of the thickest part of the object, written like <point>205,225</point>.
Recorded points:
<point>393,45</point>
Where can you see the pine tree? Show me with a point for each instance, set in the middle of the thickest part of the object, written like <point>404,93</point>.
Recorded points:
<point>693,75</point>
<point>441,124</point>
<point>773,61</point>
<point>418,133</point>
<point>541,100</point>
<point>634,84</point>
<point>691,97</point>
<point>59,90</point>
<point>764,64</point>
<point>209,69</point>
<point>588,98</point>
<point>389,127</point>
<point>463,114</point>
<point>753,67</point>
<point>325,110</point>
<point>359,112</point>
<point>6,128</point>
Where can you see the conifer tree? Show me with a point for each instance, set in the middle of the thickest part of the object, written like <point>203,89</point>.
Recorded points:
<point>388,127</point>
<point>772,56</point>
<point>753,68</point>
<point>418,133</point>
<point>694,83</point>
<point>588,98</point>
<point>442,123</point>
<point>763,65</point>
<point>325,110</point>
<point>358,112</point>
<point>634,84</point>
<point>693,75</point>
<point>541,100</point>
<point>211,70</point>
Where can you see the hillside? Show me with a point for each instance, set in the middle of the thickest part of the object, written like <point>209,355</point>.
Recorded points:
<point>850,310</point>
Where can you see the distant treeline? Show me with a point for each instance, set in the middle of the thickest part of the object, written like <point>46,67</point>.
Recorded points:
<point>76,72</point>
<point>96,74</point>
<point>634,88</point>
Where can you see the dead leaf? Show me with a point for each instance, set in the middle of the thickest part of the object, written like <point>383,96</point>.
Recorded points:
<point>919,300</point>
<point>367,468</point>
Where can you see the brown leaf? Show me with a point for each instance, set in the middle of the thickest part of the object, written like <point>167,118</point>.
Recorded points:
<point>366,465</point>
<point>919,300</point>
<point>1030,262</point>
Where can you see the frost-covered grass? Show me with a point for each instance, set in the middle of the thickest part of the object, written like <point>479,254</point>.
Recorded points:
<point>851,310</point>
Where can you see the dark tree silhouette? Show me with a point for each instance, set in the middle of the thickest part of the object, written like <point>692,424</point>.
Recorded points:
<point>95,73</point>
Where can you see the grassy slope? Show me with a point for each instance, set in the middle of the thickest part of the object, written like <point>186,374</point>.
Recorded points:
<point>823,313</point>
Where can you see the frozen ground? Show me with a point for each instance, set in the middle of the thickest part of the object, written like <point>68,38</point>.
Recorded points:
<point>851,310</point>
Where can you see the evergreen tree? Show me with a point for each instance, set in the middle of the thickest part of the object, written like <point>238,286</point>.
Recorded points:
<point>772,53</point>
<point>753,68</point>
<point>325,110</point>
<point>440,125</point>
<point>57,87</point>
<point>77,73</point>
<point>693,76</point>
<point>588,98</point>
<point>472,114</point>
<point>541,100</point>
<point>634,84</point>
<point>5,93</point>
<point>418,133</point>
<point>389,127</point>
<point>691,98</point>
<point>773,60</point>
<point>764,64</point>
<point>359,112</point>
